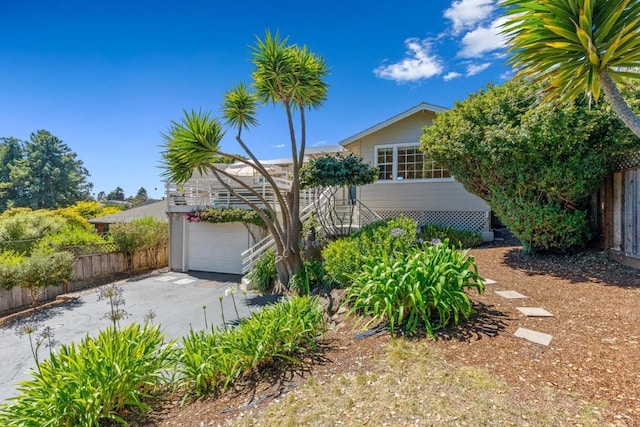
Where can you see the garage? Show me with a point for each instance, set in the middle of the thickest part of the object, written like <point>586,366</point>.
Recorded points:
<point>216,247</point>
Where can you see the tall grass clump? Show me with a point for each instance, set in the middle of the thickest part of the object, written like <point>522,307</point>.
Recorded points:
<point>263,273</point>
<point>93,381</point>
<point>420,287</point>
<point>209,361</point>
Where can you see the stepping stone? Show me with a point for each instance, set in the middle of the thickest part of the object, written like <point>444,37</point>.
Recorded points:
<point>534,311</point>
<point>184,281</point>
<point>511,294</point>
<point>534,336</point>
<point>165,278</point>
<point>489,282</point>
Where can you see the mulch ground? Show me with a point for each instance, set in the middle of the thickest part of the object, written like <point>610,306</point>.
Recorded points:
<point>592,358</point>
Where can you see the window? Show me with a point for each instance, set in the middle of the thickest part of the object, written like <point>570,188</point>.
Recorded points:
<point>406,162</point>
<point>384,161</point>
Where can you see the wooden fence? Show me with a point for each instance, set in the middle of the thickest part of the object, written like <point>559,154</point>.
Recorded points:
<point>617,219</point>
<point>88,271</point>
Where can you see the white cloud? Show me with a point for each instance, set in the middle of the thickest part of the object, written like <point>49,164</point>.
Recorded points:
<point>319,143</point>
<point>277,146</point>
<point>465,14</point>
<point>451,75</point>
<point>473,69</point>
<point>507,75</point>
<point>419,64</point>
<point>483,40</point>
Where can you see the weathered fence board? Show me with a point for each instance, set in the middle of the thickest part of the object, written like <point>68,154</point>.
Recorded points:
<point>89,270</point>
<point>618,216</point>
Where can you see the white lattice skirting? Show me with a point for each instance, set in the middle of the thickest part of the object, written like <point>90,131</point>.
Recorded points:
<point>474,221</point>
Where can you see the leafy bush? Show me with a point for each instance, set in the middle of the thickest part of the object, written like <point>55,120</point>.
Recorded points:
<point>388,235</point>
<point>422,287</point>
<point>210,360</point>
<point>42,270</point>
<point>547,226</point>
<point>35,273</point>
<point>138,234</point>
<point>69,236</point>
<point>459,238</point>
<point>533,162</point>
<point>263,273</point>
<point>81,385</point>
<point>11,269</point>
<point>22,228</point>
<point>344,257</point>
<point>92,209</point>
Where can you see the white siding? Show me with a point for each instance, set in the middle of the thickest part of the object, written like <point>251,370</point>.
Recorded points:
<point>424,195</point>
<point>428,195</point>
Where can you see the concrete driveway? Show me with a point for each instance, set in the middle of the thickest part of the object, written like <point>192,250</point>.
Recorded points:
<point>177,299</point>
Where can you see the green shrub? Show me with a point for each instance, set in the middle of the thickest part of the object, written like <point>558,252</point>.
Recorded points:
<point>42,270</point>
<point>459,238</point>
<point>421,287</point>
<point>22,228</point>
<point>138,234</point>
<point>546,227</point>
<point>11,269</point>
<point>388,235</point>
<point>84,384</point>
<point>209,361</point>
<point>344,257</point>
<point>263,273</point>
<point>35,273</point>
<point>536,164</point>
<point>71,236</point>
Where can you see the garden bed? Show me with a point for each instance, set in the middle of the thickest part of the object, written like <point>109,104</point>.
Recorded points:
<point>590,363</point>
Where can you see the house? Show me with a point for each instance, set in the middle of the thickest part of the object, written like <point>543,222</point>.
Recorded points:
<point>408,185</point>
<point>155,209</point>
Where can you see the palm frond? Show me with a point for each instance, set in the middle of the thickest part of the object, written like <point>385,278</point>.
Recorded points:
<point>576,40</point>
<point>190,144</point>
<point>239,107</point>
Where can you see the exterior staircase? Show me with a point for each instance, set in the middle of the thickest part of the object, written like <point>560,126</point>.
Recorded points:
<point>339,218</point>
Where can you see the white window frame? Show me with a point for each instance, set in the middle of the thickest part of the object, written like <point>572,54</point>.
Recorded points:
<point>395,178</point>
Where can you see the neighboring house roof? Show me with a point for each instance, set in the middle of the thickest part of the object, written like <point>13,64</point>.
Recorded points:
<point>423,106</point>
<point>315,151</point>
<point>157,210</point>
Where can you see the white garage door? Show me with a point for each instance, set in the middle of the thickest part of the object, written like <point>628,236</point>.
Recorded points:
<point>216,247</point>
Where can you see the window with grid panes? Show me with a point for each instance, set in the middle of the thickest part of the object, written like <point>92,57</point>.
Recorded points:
<point>384,161</point>
<point>406,162</point>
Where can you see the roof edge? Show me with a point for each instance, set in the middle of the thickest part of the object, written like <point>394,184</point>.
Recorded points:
<point>423,106</point>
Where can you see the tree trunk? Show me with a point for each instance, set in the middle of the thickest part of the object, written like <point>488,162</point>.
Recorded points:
<point>286,267</point>
<point>619,105</point>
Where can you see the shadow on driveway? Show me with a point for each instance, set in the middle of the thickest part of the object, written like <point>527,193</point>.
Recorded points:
<point>42,313</point>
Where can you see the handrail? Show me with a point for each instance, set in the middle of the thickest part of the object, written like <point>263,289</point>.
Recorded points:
<point>251,255</point>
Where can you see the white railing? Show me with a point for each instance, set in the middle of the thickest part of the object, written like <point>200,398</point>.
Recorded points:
<point>207,191</point>
<point>251,255</point>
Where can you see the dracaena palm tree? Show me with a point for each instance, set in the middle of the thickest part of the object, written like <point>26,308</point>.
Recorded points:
<point>580,46</point>
<point>287,75</point>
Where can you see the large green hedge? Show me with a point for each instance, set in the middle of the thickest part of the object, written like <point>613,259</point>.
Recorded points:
<point>536,164</point>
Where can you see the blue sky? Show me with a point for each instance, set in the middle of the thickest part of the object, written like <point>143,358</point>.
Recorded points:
<point>108,77</point>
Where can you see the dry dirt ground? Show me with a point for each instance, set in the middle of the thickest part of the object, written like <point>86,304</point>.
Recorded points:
<point>592,359</point>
